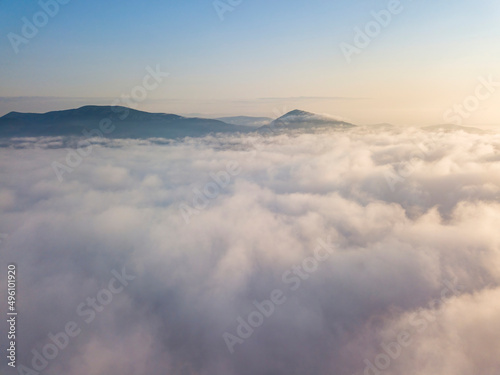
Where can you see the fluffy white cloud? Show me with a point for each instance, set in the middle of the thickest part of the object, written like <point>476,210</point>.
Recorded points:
<point>410,212</point>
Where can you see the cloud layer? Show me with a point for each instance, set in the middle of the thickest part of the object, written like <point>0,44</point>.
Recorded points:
<point>412,216</point>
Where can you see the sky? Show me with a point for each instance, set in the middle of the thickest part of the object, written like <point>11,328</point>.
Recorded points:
<point>257,58</point>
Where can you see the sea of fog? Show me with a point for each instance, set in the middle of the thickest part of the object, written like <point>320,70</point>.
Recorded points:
<point>365,251</point>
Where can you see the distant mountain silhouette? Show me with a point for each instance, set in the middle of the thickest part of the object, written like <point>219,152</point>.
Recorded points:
<point>298,119</point>
<point>246,120</point>
<point>128,123</point>
<point>446,128</point>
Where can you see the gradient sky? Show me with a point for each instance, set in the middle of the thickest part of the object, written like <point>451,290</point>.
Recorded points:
<point>264,58</point>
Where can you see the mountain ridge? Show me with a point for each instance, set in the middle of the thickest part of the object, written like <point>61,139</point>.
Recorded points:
<point>246,120</point>
<point>133,123</point>
<point>299,119</point>
<point>127,122</point>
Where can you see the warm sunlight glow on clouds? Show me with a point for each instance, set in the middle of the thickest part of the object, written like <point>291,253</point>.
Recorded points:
<point>380,247</point>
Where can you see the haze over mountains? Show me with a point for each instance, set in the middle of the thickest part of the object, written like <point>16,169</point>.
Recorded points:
<point>299,119</point>
<point>256,122</point>
<point>122,122</point>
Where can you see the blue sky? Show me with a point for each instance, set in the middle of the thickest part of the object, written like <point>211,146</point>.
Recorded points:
<point>427,59</point>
